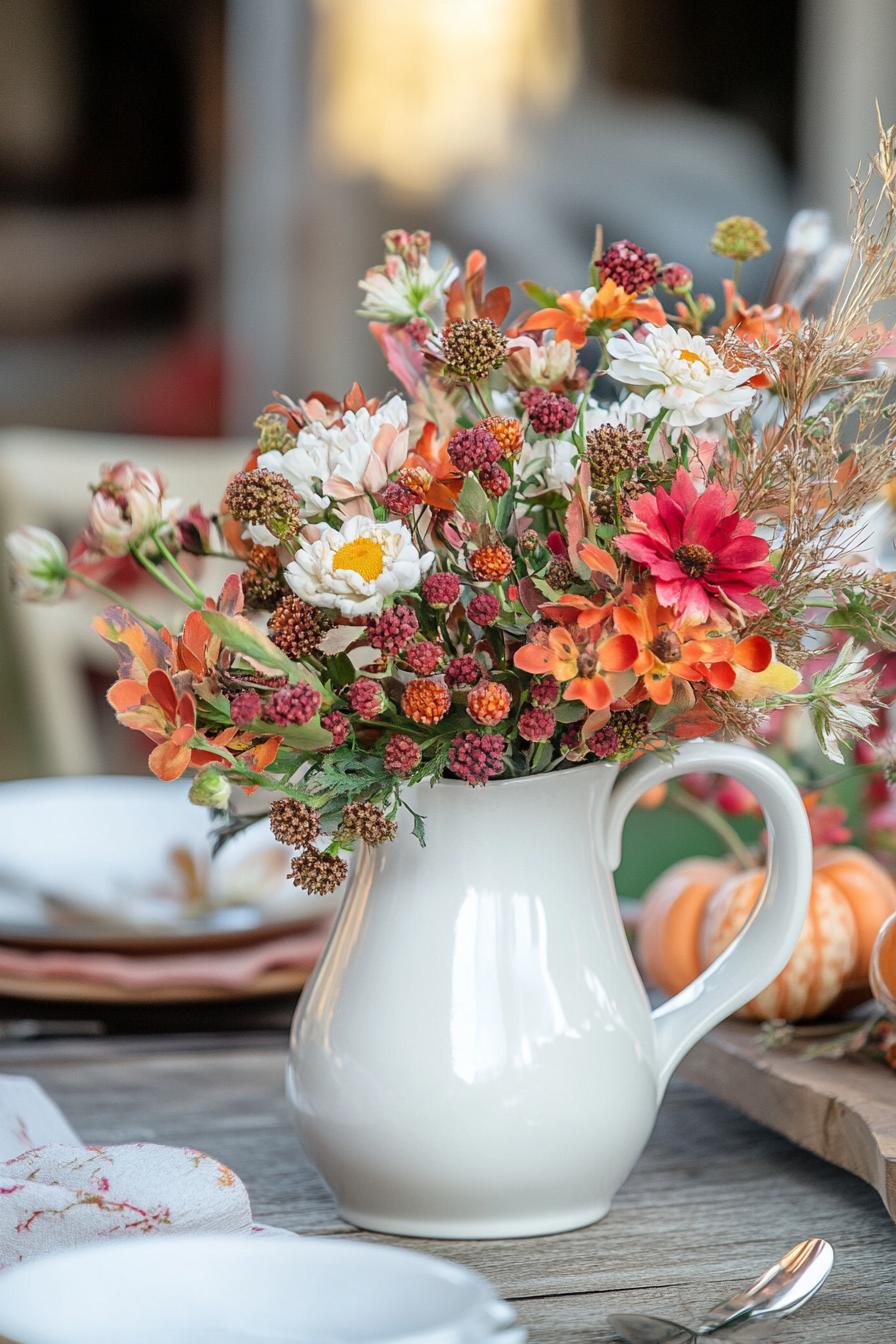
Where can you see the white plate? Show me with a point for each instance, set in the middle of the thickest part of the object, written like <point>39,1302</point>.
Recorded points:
<point>84,859</point>
<point>230,1290</point>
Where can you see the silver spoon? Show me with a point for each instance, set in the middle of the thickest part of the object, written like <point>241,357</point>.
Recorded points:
<point>782,1289</point>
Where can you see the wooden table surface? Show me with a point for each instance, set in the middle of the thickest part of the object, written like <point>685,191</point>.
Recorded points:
<point>713,1201</point>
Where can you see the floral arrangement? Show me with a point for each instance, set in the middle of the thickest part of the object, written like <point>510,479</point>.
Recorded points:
<point>618,520</point>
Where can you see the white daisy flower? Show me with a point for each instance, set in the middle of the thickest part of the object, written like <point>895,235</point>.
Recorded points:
<point>683,374</point>
<point>354,568</point>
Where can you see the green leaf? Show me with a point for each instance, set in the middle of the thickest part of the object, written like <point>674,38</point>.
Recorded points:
<point>239,634</point>
<point>504,510</point>
<point>568,711</point>
<point>540,294</point>
<point>303,737</point>
<point>541,757</point>
<point>544,587</point>
<point>341,669</point>
<point>472,501</point>
<point>418,829</point>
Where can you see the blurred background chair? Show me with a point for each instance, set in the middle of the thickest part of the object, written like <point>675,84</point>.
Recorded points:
<point>53,667</point>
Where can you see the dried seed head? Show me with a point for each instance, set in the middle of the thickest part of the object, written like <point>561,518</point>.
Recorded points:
<point>472,349</point>
<point>318,872</point>
<point>293,822</point>
<point>739,237</point>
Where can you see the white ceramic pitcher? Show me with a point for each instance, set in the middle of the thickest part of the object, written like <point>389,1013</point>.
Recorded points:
<point>475,1055</point>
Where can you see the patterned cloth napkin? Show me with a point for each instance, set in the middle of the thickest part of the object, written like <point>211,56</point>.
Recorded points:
<point>56,1192</point>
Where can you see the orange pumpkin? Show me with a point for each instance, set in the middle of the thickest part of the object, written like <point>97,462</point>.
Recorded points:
<point>693,911</point>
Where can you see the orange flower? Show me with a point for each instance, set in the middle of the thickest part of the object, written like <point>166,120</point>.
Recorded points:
<point>431,454</point>
<point>154,691</point>
<point>425,702</point>
<point>466,298</point>
<point>575,608</point>
<point>756,325</point>
<point>581,309</point>
<point>595,673</point>
<point>168,718</point>
<point>670,649</point>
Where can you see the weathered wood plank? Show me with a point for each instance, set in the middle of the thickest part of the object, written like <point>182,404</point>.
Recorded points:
<point>842,1109</point>
<point>713,1201</point>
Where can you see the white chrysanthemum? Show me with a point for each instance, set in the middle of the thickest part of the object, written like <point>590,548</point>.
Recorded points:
<point>343,452</point>
<point>683,373</point>
<point>628,413</point>
<point>547,465</point>
<point>398,291</point>
<point>356,567</point>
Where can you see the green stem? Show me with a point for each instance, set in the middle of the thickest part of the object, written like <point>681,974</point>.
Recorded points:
<point>658,420</point>
<point>179,571</point>
<point>723,829</point>
<point>162,578</point>
<point>114,597</point>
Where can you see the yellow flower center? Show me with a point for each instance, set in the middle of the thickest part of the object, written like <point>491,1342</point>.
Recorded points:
<point>364,555</point>
<point>691,357</point>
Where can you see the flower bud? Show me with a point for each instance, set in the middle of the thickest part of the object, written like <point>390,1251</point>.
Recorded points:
<point>210,789</point>
<point>127,505</point>
<point>39,564</point>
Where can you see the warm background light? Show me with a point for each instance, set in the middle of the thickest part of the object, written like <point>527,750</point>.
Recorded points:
<point>419,93</point>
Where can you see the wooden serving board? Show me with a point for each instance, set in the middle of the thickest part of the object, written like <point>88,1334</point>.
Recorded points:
<point>844,1110</point>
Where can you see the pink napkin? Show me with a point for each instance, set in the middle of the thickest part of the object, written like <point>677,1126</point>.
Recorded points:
<point>231,969</point>
<point>56,1192</point>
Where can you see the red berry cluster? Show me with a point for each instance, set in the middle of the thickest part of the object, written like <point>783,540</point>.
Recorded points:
<point>395,628</point>
<point>366,697</point>
<point>476,757</point>
<point>463,671</point>
<point>483,609</point>
<point>441,590</point>
<point>293,704</point>
<point>633,269</point>
<point>472,449</point>
<point>549,412</point>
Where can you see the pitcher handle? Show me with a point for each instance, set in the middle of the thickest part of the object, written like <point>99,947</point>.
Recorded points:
<point>763,947</point>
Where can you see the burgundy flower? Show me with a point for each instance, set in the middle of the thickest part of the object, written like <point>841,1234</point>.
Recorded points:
<point>366,697</point>
<point>335,723</point>
<point>700,551</point>
<point>536,725</point>
<point>293,704</point>
<point>463,671</point>
<point>549,412</point>
<point>402,755</point>
<point>476,757</point>
<point>244,707</point>
<point>441,590</point>
<point>470,449</point>
<point>394,629</point>
<point>483,609</point>
<point>424,657</point>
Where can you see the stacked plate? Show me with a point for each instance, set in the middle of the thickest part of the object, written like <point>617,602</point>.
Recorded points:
<point>109,892</point>
<point>231,1290</point>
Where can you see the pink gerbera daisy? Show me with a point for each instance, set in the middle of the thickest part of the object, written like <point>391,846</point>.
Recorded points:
<point>700,551</point>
